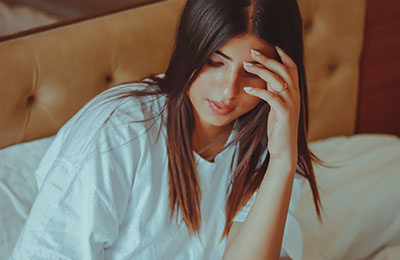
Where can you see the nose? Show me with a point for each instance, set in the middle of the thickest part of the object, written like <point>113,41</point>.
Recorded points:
<point>230,85</point>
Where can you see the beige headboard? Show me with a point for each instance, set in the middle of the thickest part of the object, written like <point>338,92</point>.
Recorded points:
<point>48,76</point>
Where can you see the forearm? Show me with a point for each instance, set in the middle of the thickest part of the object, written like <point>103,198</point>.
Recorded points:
<point>260,236</point>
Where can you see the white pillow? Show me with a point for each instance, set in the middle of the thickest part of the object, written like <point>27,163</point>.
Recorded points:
<point>17,188</point>
<point>361,199</point>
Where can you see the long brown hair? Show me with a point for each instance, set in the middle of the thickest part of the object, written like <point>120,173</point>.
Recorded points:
<point>204,27</point>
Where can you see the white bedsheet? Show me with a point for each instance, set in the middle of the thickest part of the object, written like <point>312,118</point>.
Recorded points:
<point>17,188</point>
<point>361,198</point>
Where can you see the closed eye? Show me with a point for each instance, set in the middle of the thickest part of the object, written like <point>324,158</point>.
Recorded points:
<point>214,63</point>
<point>218,64</point>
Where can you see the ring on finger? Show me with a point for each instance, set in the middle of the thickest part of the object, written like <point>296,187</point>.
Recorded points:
<point>285,86</point>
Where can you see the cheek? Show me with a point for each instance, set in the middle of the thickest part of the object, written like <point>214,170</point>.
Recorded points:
<point>259,83</point>
<point>252,101</point>
<point>195,91</point>
<point>200,87</point>
<point>249,102</point>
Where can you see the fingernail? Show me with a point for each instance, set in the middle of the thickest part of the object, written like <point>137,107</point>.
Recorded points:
<point>255,52</point>
<point>279,49</point>
<point>245,63</point>
<point>247,89</point>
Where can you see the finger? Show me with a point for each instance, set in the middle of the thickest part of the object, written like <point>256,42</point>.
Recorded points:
<point>275,82</point>
<point>271,98</point>
<point>273,65</point>
<point>290,64</point>
<point>286,59</point>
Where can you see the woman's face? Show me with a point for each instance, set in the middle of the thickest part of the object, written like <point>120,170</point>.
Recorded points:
<point>217,93</point>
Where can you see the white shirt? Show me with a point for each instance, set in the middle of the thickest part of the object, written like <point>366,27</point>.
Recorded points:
<point>103,192</point>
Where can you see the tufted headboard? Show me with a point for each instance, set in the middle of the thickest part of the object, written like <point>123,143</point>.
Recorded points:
<point>48,76</point>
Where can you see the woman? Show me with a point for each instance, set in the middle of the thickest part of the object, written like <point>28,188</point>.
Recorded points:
<point>218,142</point>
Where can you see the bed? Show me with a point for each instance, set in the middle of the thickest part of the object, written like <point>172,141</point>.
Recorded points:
<point>48,74</point>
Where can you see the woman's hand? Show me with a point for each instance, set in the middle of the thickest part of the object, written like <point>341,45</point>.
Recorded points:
<point>285,106</point>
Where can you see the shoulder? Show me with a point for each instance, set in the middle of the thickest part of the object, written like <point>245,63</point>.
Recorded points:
<point>120,103</point>
<point>109,120</point>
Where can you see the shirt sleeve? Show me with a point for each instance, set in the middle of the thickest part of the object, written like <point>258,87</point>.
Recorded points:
<point>69,219</point>
<point>292,242</point>
<point>81,203</point>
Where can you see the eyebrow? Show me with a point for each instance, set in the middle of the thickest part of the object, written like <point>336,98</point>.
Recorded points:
<point>223,55</point>
<point>229,58</point>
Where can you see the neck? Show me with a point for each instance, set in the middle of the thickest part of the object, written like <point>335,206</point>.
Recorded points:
<point>204,135</point>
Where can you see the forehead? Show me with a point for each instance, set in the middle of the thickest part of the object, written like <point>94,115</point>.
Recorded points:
<point>239,47</point>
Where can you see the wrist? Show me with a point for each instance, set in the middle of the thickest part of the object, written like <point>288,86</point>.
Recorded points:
<point>288,165</point>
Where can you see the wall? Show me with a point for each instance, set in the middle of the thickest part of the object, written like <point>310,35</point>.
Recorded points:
<point>69,9</point>
<point>379,92</point>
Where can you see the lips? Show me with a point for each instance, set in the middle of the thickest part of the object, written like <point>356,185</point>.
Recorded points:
<point>220,108</point>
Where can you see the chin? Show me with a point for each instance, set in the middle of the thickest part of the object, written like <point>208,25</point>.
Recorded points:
<point>219,120</point>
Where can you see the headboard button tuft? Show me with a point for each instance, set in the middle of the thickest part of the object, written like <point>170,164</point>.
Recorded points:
<point>30,100</point>
<point>307,25</point>
<point>108,78</point>
<point>332,67</point>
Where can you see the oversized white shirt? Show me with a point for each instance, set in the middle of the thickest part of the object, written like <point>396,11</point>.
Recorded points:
<point>103,191</point>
